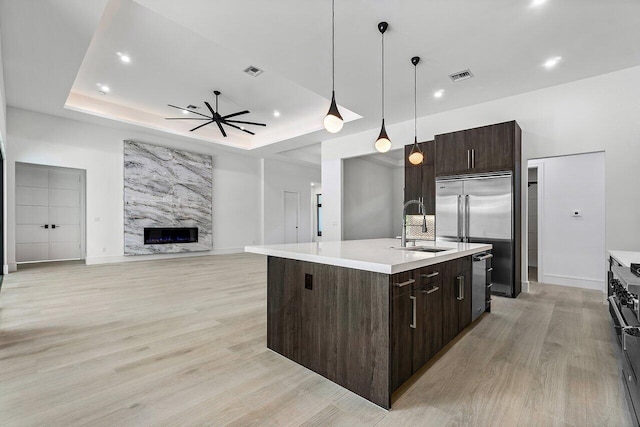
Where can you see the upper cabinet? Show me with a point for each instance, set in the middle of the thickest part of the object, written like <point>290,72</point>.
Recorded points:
<point>490,148</point>
<point>419,180</point>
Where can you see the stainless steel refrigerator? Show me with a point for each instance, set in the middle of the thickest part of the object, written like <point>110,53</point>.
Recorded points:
<point>479,209</point>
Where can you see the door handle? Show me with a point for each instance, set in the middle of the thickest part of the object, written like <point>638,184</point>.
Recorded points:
<point>459,215</point>
<point>413,309</point>
<point>460,288</point>
<point>45,226</point>
<point>403,284</point>
<point>427,276</point>
<point>466,216</point>
<point>53,226</point>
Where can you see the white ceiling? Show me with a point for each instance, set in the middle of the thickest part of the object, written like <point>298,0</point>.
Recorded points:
<point>54,52</point>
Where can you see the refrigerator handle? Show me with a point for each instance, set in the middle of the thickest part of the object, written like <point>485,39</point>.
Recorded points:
<point>459,216</point>
<point>466,217</point>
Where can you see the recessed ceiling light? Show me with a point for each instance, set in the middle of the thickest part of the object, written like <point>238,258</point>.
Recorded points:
<point>124,58</point>
<point>536,3</point>
<point>276,113</point>
<point>552,62</point>
<point>103,88</point>
<point>185,111</point>
<point>242,127</point>
<point>438,93</point>
<point>312,184</point>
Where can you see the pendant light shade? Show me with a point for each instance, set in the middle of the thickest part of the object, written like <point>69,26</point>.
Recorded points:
<point>333,120</point>
<point>383,143</point>
<point>416,156</point>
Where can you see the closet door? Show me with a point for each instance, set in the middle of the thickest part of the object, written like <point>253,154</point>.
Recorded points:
<point>48,213</point>
<point>32,213</point>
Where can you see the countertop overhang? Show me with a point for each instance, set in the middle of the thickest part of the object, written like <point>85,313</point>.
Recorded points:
<point>376,255</point>
<point>625,257</point>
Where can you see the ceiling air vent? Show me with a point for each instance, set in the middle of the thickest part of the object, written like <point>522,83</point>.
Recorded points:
<point>253,71</point>
<point>461,75</point>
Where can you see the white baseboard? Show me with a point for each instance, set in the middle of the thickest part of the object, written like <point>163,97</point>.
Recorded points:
<point>5,269</point>
<point>525,286</point>
<point>133,258</point>
<point>574,282</point>
<point>12,267</point>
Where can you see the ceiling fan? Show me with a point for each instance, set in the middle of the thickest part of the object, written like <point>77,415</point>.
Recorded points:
<point>216,118</point>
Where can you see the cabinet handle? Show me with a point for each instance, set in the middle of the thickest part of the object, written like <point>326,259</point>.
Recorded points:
<point>427,276</point>
<point>489,269</point>
<point>413,309</point>
<point>432,290</point>
<point>473,158</point>
<point>483,257</point>
<point>460,288</point>
<point>403,284</point>
<point>468,159</point>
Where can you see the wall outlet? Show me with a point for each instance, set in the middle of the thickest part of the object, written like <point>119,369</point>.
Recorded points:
<point>308,281</point>
<point>104,249</point>
<point>96,219</point>
<point>576,213</point>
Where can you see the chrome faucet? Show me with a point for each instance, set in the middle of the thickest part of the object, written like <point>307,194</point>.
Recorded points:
<point>403,240</point>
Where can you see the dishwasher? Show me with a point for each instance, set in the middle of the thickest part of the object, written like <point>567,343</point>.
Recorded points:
<point>480,283</point>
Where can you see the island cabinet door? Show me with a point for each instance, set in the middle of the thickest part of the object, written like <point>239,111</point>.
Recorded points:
<point>427,335</point>
<point>402,317</point>
<point>450,324</point>
<point>465,305</point>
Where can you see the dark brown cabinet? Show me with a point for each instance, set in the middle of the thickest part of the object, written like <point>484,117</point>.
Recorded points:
<point>402,311</point>
<point>429,307</point>
<point>419,180</point>
<point>456,296</point>
<point>479,150</point>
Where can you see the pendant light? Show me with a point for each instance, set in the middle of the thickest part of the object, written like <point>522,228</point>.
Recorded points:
<point>416,156</point>
<point>383,144</point>
<point>333,120</point>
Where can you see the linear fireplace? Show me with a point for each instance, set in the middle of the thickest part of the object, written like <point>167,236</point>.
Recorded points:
<point>165,235</point>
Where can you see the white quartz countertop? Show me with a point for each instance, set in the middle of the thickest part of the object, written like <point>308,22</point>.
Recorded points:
<point>375,255</point>
<point>626,257</point>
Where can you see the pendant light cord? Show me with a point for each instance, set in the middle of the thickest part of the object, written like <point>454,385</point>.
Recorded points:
<point>333,45</point>
<point>382,76</point>
<point>415,102</point>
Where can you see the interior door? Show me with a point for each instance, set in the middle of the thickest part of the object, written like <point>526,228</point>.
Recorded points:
<point>448,209</point>
<point>48,213</point>
<point>64,214</point>
<point>291,216</point>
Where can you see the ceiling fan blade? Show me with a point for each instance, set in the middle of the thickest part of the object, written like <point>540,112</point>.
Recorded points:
<point>213,113</point>
<point>234,126</point>
<point>191,111</point>
<point>236,114</point>
<point>245,123</point>
<point>204,124</point>
<point>221,130</point>
<point>185,118</point>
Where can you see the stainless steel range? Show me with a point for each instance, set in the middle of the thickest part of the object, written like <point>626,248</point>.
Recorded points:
<point>624,289</point>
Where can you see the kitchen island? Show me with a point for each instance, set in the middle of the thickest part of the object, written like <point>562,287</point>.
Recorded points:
<point>365,313</point>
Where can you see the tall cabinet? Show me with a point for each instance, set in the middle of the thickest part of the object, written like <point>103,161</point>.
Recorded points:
<point>482,150</point>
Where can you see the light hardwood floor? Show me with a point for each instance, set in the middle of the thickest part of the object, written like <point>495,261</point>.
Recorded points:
<point>183,342</point>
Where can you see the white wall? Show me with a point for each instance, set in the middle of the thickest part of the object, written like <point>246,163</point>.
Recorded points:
<point>279,177</point>
<point>368,200</point>
<point>3,139</point>
<point>595,114</point>
<point>43,139</point>
<point>572,248</point>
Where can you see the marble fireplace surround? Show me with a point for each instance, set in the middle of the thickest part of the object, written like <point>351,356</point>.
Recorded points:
<point>164,187</point>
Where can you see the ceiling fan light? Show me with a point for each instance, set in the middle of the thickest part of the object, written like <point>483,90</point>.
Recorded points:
<point>333,120</point>
<point>383,143</point>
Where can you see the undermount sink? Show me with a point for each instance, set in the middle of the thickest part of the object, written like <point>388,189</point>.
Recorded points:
<point>423,249</point>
